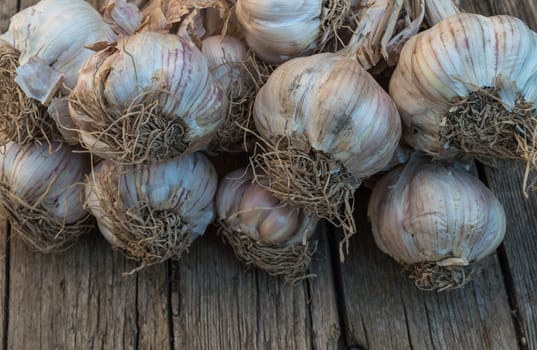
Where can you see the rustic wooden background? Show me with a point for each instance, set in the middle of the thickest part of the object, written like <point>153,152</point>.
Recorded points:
<point>82,300</point>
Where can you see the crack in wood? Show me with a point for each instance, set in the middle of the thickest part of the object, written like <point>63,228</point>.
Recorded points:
<point>7,257</point>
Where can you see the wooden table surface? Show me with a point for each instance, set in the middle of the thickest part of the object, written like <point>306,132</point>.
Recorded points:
<point>82,299</point>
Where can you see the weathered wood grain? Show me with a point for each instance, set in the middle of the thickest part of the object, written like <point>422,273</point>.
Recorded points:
<point>520,245</point>
<point>76,300</point>
<point>384,310</point>
<point>4,280</point>
<point>218,305</point>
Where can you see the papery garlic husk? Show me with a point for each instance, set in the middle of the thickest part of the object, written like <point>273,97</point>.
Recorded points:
<point>468,85</point>
<point>42,194</point>
<point>263,231</point>
<point>240,76</point>
<point>153,212</point>
<point>278,30</point>
<point>185,18</point>
<point>150,96</point>
<point>383,27</point>
<point>123,16</point>
<point>40,56</point>
<point>325,124</point>
<point>436,220</point>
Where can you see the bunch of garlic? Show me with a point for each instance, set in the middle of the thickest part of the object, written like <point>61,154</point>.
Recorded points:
<point>468,85</point>
<point>325,124</point>
<point>40,56</point>
<point>278,30</point>
<point>150,96</point>
<point>42,194</point>
<point>153,212</point>
<point>436,220</point>
<point>263,231</point>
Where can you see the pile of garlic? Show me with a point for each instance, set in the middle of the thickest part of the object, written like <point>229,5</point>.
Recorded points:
<point>145,95</point>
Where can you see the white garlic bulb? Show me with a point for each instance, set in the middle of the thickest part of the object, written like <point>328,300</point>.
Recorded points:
<point>40,56</point>
<point>326,124</point>
<point>150,96</point>
<point>153,212</point>
<point>437,220</point>
<point>262,230</point>
<point>469,85</point>
<point>42,193</point>
<point>278,30</point>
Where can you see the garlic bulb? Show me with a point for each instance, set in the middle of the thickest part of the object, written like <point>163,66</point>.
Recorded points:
<point>240,76</point>
<point>278,30</point>
<point>437,220</point>
<point>326,124</point>
<point>263,231</point>
<point>469,85</point>
<point>40,56</point>
<point>42,193</point>
<point>148,97</point>
<point>153,212</point>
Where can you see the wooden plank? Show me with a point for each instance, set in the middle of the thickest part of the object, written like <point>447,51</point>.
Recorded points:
<point>4,280</point>
<point>383,309</point>
<point>7,9</point>
<point>76,300</point>
<point>520,245</point>
<point>326,329</point>
<point>216,304</point>
<point>153,308</point>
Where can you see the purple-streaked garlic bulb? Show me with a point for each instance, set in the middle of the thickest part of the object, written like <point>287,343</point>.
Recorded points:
<point>437,220</point>
<point>42,192</point>
<point>468,86</point>
<point>153,212</point>
<point>325,124</point>
<point>150,96</point>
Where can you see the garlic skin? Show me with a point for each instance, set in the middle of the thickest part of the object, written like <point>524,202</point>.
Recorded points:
<point>153,212</point>
<point>56,32</point>
<point>278,30</point>
<point>150,96</point>
<point>432,212</point>
<point>461,55</point>
<point>333,104</point>
<point>244,206</point>
<point>43,193</point>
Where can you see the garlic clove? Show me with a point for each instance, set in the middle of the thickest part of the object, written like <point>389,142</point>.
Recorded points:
<point>256,205</point>
<point>280,225</point>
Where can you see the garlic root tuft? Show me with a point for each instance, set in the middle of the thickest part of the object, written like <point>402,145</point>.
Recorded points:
<point>24,118</point>
<point>430,276</point>
<point>288,261</point>
<point>309,180</point>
